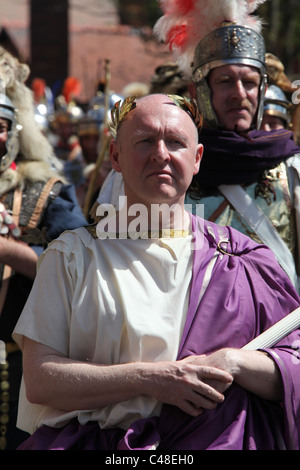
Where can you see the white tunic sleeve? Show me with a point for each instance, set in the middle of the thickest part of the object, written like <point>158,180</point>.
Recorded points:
<point>55,282</point>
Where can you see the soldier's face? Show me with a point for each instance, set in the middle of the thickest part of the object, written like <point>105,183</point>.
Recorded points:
<point>235,95</point>
<point>4,128</point>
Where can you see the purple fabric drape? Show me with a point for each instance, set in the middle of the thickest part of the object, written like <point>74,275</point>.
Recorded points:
<point>231,158</point>
<point>247,293</point>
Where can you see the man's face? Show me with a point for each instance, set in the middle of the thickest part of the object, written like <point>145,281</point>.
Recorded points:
<point>4,128</point>
<point>157,152</point>
<point>235,94</point>
<point>270,123</point>
<point>89,146</point>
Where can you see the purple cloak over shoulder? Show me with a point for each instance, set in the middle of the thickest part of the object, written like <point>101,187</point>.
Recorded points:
<point>247,293</point>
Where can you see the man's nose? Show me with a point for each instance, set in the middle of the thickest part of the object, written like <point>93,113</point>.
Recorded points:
<point>160,151</point>
<point>239,90</point>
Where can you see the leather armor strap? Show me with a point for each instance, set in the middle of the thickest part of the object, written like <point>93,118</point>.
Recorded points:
<point>262,226</point>
<point>34,220</point>
<point>35,217</point>
<point>216,214</point>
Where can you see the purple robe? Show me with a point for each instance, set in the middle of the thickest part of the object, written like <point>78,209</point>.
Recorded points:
<point>247,293</point>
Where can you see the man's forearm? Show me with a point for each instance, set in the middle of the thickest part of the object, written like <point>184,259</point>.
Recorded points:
<point>62,383</point>
<point>258,373</point>
<point>69,385</point>
<point>19,256</point>
<point>253,370</point>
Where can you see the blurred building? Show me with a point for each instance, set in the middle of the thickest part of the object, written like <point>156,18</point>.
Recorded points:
<point>60,38</point>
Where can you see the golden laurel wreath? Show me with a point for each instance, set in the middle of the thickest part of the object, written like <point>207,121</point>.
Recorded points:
<point>121,109</point>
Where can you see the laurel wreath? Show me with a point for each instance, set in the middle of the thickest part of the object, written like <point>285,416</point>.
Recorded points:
<point>119,113</point>
<point>189,105</point>
<point>121,109</point>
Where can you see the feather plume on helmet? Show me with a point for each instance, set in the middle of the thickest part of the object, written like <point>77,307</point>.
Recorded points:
<point>186,22</point>
<point>204,34</point>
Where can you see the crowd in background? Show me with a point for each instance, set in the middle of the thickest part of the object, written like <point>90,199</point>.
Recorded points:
<point>78,134</point>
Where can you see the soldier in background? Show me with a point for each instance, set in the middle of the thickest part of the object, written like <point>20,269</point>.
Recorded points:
<point>36,205</point>
<point>249,178</point>
<point>277,110</point>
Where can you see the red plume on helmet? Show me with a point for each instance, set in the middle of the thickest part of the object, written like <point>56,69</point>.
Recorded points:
<point>186,22</point>
<point>71,89</point>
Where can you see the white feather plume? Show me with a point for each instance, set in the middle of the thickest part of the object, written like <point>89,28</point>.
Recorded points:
<point>186,22</point>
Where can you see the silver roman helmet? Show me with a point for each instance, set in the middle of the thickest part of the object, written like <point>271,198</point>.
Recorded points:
<point>230,44</point>
<point>8,112</point>
<point>204,34</point>
<point>277,104</point>
<point>96,107</point>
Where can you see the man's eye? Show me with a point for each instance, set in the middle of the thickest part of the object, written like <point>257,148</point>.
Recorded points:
<point>175,141</point>
<point>222,80</point>
<point>251,82</point>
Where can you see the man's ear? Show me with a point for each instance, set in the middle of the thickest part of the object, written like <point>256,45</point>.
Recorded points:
<point>114,155</point>
<point>198,158</point>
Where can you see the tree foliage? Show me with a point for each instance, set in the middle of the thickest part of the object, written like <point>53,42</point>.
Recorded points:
<point>282,32</point>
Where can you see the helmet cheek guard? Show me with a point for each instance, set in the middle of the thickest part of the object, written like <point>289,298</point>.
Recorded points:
<point>260,109</point>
